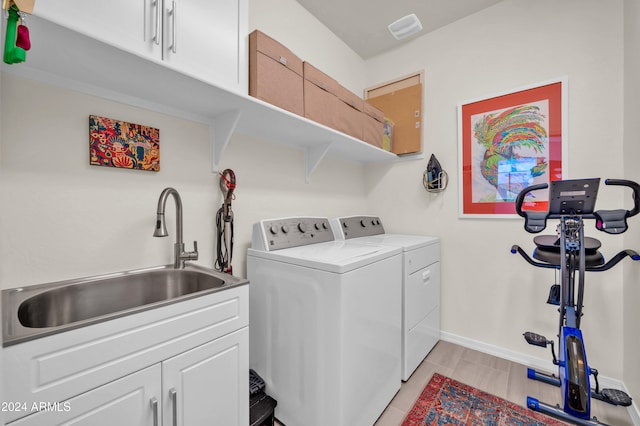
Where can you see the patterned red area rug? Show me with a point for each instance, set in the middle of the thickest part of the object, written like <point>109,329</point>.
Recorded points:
<point>445,401</point>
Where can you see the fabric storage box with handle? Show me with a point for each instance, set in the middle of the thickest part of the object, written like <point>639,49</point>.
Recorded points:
<point>275,73</point>
<point>349,119</point>
<point>320,100</point>
<point>373,125</point>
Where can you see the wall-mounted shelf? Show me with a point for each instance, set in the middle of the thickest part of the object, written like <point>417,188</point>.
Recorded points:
<point>65,58</point>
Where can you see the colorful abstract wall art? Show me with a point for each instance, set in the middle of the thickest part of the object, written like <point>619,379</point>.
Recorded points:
<point>114,143</point>
<point>507,143</point>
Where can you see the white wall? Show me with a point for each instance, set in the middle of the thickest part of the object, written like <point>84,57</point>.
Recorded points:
<point>631,149</point>
<point>63,218</point>
<point>488,294</point>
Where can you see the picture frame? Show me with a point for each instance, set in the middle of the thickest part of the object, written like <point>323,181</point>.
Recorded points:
<point>507,142</point>
<point>123,145</point>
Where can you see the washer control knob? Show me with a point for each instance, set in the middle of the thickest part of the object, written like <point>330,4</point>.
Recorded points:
<point>324,225</point>
<point>285,228</point>
<point>363,223</point>
<point>302,227</point>
<point>273,229</point>
<point>344,225</point>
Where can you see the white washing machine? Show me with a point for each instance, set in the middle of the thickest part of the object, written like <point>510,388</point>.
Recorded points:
<point>325,320</point>
<point>420,283</point>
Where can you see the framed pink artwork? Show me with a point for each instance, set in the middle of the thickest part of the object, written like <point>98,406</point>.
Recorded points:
<point>508,142</point>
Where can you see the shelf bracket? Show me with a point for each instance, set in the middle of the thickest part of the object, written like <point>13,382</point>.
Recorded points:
<point>312,157</point>
<point>220,130</point>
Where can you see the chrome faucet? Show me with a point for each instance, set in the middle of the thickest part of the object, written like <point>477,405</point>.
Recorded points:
<point>180,256</point>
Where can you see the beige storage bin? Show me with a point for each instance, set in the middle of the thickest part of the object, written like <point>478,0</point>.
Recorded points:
<point>349,118</point>
<point>320,101</point>
<point>373,125</point>
<point>275,73</point>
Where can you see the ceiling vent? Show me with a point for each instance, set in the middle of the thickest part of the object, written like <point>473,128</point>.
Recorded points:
<point>405,27</point>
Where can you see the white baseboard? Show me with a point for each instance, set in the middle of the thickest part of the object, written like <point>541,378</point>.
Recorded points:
<point>534,362</point>
<point>635,414</point>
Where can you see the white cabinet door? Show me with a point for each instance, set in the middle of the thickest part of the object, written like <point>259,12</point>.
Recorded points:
<point>127,401</point>
<point>208,385</point>
<point>128,25</point>
<point>206,39</point>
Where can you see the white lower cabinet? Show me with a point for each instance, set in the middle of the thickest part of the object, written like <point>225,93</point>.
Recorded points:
<point>185,364</point>
<point>202,386</point>
<point>199,387</point>
<point>126,401</point>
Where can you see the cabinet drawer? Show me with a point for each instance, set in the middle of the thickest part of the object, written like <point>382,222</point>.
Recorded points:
<point>58,367</point>
<point>421,257</point>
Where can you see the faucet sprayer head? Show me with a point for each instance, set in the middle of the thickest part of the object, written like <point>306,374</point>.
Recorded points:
<point>161,226</point>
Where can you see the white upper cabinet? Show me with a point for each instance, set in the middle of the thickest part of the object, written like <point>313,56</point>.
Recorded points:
<point>201,38</point>
<point>205,39</point>
<point>128,25</point>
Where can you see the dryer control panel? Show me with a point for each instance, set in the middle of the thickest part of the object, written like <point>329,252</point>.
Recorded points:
<point>275,234</point>
<point>359,226</point>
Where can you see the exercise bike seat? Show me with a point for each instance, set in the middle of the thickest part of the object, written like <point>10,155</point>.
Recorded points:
<point>548,250</point>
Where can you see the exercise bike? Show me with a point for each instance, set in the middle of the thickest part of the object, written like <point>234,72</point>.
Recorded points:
<point>573,254</point>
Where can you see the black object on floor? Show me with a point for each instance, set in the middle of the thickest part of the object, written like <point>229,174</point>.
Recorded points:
<point>256,384</point>
<point>261,410</point>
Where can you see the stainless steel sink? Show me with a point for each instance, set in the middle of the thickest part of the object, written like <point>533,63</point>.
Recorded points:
<point>36,311</point>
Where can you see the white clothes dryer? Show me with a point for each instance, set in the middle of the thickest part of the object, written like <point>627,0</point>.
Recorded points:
<point>324,322</point>
<point>420,283</point>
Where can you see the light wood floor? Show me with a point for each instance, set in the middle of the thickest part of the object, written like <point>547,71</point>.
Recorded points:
<point>496,376</point>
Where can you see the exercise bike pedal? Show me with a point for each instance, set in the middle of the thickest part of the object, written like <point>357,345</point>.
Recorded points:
<point>535,339</point>
<point>613,397</point>
<point>554,295</point>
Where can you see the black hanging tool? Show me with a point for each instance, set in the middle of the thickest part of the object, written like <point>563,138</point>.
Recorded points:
<point>224,223</point>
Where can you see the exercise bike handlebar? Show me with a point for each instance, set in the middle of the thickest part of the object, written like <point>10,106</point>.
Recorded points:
<point>523,193</point>
<point>617,182</point>
<point>635,196</point>
<point>609,221</point>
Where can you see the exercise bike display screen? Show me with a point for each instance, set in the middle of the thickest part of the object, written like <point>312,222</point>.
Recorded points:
<point>576,196</point>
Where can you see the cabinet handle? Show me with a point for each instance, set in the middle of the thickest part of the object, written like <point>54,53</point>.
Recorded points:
<point>154,408</point>
<point>156,34</point>
<point>173,393</point>
<point>172,12</point>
